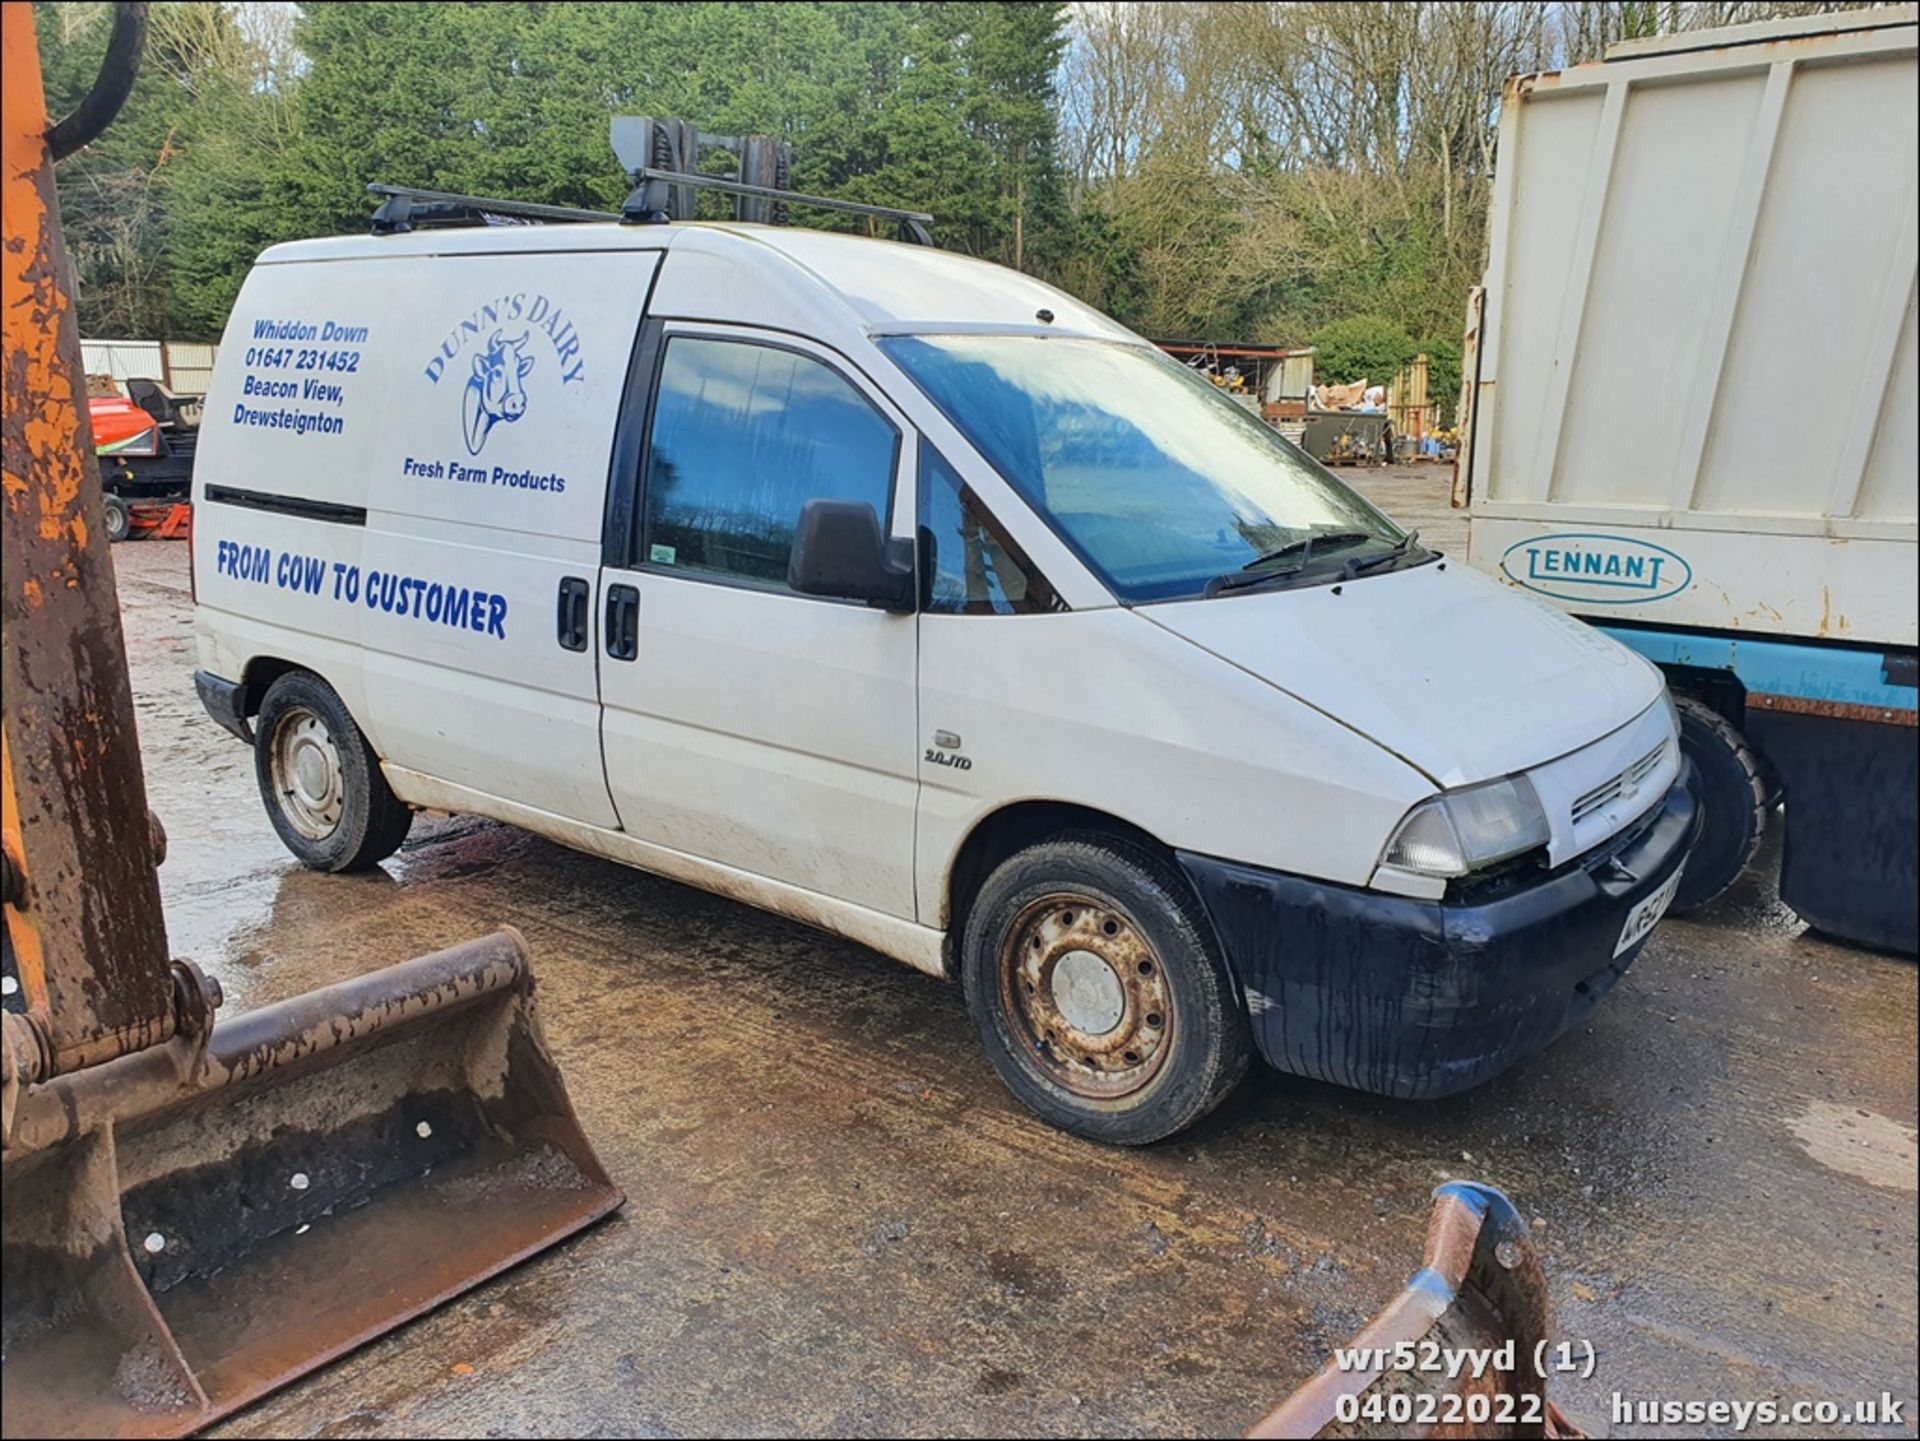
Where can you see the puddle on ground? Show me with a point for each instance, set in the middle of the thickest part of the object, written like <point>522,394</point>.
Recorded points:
<point>1859,1142</point>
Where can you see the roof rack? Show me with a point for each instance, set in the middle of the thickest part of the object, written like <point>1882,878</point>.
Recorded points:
<point>662,159</point>
<point>649,204</point>
<point>407,207</point>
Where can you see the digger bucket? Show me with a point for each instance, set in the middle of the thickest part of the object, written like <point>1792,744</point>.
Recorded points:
<point>1480,1290</point>
<point>185,1232</point>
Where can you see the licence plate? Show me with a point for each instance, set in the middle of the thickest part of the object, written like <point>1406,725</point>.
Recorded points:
<point>1645,916</point>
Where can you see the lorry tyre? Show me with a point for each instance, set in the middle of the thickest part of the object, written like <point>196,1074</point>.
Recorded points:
<point>1098,990</point>
<point>1728,784</point>
<point>119,519</point>
<point>321,781</point>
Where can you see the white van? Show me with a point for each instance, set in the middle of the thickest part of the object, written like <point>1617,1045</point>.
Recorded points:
<point>906,596</point>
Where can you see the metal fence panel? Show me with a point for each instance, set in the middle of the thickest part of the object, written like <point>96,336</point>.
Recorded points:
<point>123,359</point>
<point>184,367</point>
<point>190,366</point>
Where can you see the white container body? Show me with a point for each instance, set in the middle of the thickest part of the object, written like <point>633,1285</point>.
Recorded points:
<point>1694,369</point>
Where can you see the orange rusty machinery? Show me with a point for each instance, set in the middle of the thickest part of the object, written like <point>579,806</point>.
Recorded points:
<point>197,1212</point>
<point>1479,1294</point>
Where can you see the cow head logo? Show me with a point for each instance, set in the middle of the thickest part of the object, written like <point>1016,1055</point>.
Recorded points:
<point>494,394</point>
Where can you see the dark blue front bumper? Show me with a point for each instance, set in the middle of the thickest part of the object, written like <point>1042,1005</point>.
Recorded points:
<point>1415,998</point>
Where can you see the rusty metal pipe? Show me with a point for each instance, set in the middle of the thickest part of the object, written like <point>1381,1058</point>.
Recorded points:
<point>272,1038</point>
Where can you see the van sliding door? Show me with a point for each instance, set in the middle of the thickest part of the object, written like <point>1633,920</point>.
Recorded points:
<point>479,589</point>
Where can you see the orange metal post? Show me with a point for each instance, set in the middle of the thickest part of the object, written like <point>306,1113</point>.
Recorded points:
<point>83,905</point>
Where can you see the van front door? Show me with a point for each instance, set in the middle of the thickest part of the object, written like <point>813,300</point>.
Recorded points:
<point>745,724</point>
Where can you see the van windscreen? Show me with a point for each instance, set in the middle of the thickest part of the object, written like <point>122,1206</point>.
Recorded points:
<point>1161,484</point>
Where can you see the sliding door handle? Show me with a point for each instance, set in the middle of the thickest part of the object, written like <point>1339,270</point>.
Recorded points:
<point>623,622</point>
<point>571,617</point>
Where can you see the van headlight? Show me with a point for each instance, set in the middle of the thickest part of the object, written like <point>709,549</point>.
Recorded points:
<point>1461,831</point>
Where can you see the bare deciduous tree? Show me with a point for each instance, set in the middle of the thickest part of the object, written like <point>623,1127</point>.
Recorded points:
<point>1271,164</point>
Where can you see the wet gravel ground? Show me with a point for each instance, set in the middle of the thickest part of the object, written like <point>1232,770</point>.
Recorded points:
<point>838,1222</point>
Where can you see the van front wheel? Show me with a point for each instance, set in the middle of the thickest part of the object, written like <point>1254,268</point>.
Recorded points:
<point>320,780</point>
<point>1098,992</point>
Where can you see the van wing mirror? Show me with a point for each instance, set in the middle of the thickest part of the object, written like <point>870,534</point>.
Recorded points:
<point>840,552</point>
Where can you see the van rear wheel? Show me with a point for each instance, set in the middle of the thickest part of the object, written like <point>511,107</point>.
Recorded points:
<point>1098,992</point>
<point>320,780</point>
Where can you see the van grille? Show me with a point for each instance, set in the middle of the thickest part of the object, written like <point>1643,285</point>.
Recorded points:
<point>1622,785</point>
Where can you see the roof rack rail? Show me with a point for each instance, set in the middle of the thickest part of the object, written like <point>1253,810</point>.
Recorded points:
<point>407,207</point>
<point>648,204</point>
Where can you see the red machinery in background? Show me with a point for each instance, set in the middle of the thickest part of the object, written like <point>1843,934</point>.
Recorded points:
<point>145,447</point>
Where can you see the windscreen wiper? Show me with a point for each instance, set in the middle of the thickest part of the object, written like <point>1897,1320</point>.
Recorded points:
<point>1303,547</point>
<point>1253,572</point>
<point>1367,562</point>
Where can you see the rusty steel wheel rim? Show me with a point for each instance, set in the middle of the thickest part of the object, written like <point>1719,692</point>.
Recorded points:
<point>1086,996</point>
<point>307,775</point>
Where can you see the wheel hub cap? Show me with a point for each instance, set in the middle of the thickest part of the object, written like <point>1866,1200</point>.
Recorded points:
<point>1087,993</point>
<point>310,772</point>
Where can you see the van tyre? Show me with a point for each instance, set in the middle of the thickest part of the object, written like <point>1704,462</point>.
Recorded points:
<point>119,520</point>
<point>1729,784</point>
<point>1099,992</point>
<point>321,781</point>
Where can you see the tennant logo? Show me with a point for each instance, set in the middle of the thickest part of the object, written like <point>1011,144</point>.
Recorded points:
<point>1599,569</point>
<point>500,337</point>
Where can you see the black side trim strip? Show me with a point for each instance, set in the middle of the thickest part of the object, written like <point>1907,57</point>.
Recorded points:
<point>287,505</point>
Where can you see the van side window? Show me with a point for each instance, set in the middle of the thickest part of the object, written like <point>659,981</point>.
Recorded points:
<point>968,564</point>
<point>743,436</point>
